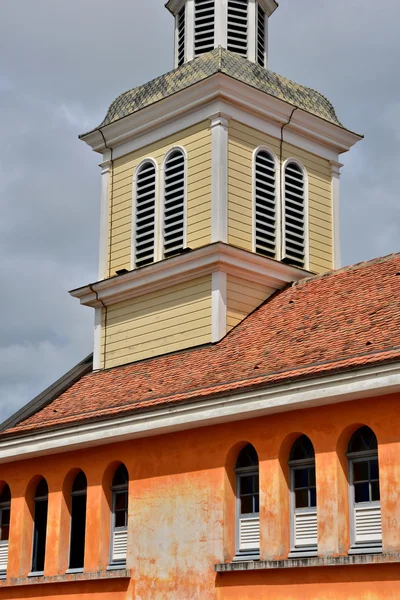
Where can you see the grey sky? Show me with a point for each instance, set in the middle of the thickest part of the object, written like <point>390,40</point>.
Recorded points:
<point>62,63</point>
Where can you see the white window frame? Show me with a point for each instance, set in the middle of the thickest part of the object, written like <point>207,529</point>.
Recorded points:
<point>39,499</point>
<point>4,544</point>
<point>306,211</point>
<point>372,547</point>
<point>162,197</point>
<point>278,211</point>
<point>157,244</point>
<point>74,495</point>
<point>299,551</point>
<point>244,554</point>
<point>114,490</point>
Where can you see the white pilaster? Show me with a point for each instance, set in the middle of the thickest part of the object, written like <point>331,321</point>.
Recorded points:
<point>97,339</point>
<point>104,218</point>
<point>218,306</point>
<point>266,41</point>
<point>221,23</point>
<point>189,52</point>
<point>219,178</point>
<point>252,31</point>
<point>337,256</point>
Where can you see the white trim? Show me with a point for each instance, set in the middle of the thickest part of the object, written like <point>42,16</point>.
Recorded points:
<point>178,269</point>
<point>219,178</point>
<point>221,23</point>
<point>306,210</point>
<point>218,305</point>
<point>337,254</point>
<point>306,131</point>
<point>157,211</point>
<point>278,208</point>
<point>266,42</point>
<point>104,217</point>
<point>189,51</point>
<point>333,389</point>
<point>252,31</point>
<point>98,315</point>
<point>162,196</point>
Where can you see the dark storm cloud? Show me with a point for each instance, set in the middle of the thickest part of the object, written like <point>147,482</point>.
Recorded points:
<point>64,62</point>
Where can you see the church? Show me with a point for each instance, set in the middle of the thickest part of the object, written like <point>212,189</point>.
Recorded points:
<point>235,434</point>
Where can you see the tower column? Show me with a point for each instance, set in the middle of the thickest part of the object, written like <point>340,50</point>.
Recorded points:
<point>252,31</point>
<point>219,178</point>
<point>189,50</point>
<point>104,211</point>
<point>337,255</point>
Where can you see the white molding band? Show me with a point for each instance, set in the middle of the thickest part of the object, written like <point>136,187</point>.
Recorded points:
<point>333,389</point>
<point>179,269</point>
<point>219,178</point>
<point>218,305</point>
<point>337,252</point>
<point>104,218</point>
<point>98,314</point>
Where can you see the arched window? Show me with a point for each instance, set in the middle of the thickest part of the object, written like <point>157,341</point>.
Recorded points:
<point>237,26</point>
<point>5,512</point>
<point>204,26</point>
<point>366,526</point>
<point>265,204</point>
<point>145,214</point>
<point>294,215</point>
<point>261,30</point>
<point>41,501</point>
<point>78,522</point>
<point>119,517</point>
<point>303,493</point>
<point>181,35</point>
<point>248,503</point>
<point>174,203</point>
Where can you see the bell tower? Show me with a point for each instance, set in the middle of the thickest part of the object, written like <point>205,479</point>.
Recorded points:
<point>220,186</point>
<point>240,26</point>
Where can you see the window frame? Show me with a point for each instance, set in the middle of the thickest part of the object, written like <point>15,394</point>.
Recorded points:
<point>74,495</point>
<point>162,197</point>
<point>295,161</point>
<point>304,551</point>
<point>36,500</point>
<point>114,490</point>
<point>157,241</point>
<point>240,472</point>
<point>278,208</point>
<point>5,543</point>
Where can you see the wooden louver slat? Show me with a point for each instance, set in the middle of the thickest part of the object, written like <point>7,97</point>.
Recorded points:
<point>260,36</point>
<point>368,524</point>
<point>174,204</point>
<point>249,534</point>
<point>120,544</point>
<point>237,26</point>
<point>204,26</point>
<point>265,204</point>
<point>181,35</point>
<point>294,213</point>
<point>3,556</point>
<point>145,215</point>
<point>306,529</point>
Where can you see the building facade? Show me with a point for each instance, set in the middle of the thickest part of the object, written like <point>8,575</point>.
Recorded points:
<point>236,433</point>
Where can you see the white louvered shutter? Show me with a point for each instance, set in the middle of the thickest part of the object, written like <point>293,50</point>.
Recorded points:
<point>260,36</point>
<point>249,534</point>
<point>174,203</point>
<point>237,26</point>
<point>367,524</point>
<point>294,213</point>
<point>181,35</point>
<point>204,26</point>
<point>3,556</point>
<point>120,545</point>
<point>265,205</point>
<point>305,529</point>
<point>145,215</point>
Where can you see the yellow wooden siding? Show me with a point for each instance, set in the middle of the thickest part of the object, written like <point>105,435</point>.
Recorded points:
<point>197,142</point>
<point>157,323</point>
<point>243,140</point>
<point>242,298</point>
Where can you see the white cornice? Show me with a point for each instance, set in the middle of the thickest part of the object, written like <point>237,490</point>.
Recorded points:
<point>220,93</point>
<point>200,262</point>
<point>269,6</point>
<point>353,385</point>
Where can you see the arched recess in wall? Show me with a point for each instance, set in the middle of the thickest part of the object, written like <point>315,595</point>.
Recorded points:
<point>41,501</point>
<point>303,498</point>
<point>5,515</point>
<point>174,202</point>
<point>295,214</point>
<point>247,503</point>
<point>265,207</point>
<point>78,522</point>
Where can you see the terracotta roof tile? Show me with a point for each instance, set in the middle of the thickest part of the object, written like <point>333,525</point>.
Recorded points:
<point>341,320</point>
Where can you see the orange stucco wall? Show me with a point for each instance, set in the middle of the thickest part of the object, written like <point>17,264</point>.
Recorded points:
<point>182,509</point>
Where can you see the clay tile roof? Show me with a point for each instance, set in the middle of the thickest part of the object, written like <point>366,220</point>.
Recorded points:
<point>342,320</point>
<point>229,63</point>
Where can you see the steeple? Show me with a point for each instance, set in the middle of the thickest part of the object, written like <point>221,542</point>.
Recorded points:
<point>240,26</point>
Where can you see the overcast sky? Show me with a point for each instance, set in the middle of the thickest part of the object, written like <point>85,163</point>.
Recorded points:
<point>63,62</point>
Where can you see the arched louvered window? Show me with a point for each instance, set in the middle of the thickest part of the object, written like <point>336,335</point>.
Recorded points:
<point>248,503</point>
<point>5,513</point>
<point>237,26</point>
<point>260,36</point>
<point>204,26</point>
<point>265,204</point>
<point>295,215</point>
<point>78,522</point>
<point>119,517</point>
<point>181,32</point>
<point>174,203</point>
<point>145,214</point>
<point>304,533</point>
<point>41,501</point>
<point>365,507</point>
